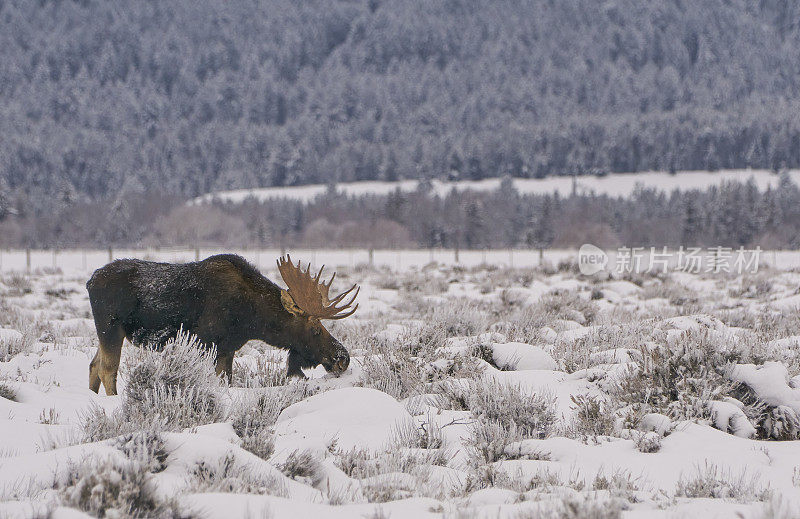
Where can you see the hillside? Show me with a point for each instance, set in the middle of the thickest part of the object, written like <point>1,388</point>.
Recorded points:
<point>615,185</point>
<point>103,100</point>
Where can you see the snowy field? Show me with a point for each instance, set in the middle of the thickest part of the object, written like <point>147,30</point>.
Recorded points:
<point>473,391</point>
<point>616,184</point>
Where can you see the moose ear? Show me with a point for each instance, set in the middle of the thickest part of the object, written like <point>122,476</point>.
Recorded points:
<point>289,304</point>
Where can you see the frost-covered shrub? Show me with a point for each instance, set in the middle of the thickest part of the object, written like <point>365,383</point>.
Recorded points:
<point>766,324</point>
<point>575,355</point>
<point>250,416</point>
<point>711,481</point>
<point>393,371</point>
<point>253,420</point>
<point>756,286</point>
<point>226,475</point>
<point>98,424</point>
<point>489,440</point>
<point>459,317</point>
<point>302,466</point>
<point>593,417</point>
<point>586,507</point>
<point>427,436</point>
<point>676,293</point>
<point>265,373</point>
<point>7,392</point>
<point>17,285</point>
<point>568,305</point>
<point>121,488</point>
<point>647,442</point>
<point>388,487</point>
<point>780,423</point>
<point>426,282</point>
<point>171,389</point>
<point>568,265</point>
<point>454,365</point>
<point>532,414</point>
<point>620,484</point>
<point>679,379</point>
<point>779,506</point>
<point>524,324</point>
<point>146,447</point>
<point>260,442</point>
<point>105,488</point>
<point>176,385</point>
<point>362,463</point>
<point>12,345</point>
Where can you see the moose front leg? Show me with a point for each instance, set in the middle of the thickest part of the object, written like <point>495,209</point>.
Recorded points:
<point>224,366</point>
<point>294,365</point>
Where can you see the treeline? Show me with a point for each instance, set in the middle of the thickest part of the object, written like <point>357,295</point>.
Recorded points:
<point>732,214</point>
<point>182,98</point>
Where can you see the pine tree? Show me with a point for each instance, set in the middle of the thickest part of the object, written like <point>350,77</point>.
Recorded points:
<point>541,233</point>
<point>5,200</point>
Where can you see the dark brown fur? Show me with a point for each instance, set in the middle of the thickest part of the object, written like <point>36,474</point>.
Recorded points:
<point>223,300</point>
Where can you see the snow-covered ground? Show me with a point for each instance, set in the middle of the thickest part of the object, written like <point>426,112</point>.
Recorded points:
<point>472,392</point>
<point>616,184</point>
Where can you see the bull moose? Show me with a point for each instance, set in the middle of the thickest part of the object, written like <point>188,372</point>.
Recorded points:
<point>225,302</point>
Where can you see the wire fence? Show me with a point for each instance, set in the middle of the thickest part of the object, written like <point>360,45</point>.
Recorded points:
<point>87,260</point>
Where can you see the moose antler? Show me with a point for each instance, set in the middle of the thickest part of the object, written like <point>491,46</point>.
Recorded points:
<point>311,296</point>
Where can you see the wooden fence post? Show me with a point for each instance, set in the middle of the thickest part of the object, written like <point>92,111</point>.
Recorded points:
<point>110,254</point>
<point>28,261</point>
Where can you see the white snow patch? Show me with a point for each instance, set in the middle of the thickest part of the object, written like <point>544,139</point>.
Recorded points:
<point>521,356</point>
<point>356,417</point>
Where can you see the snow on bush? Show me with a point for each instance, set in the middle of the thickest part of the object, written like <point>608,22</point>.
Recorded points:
<point>11,343</point>
<point>569,306</point>
<point>253,421</point>
<point>121,488</point>
<point>228,476</point>
<point>532,414</point>
<point>678,379</point>
<point>7,391</point>
<point>173,388</point>
<point>393,371</point>
<point>593,417</point>
<point>711,481</point>
<point>265,373</point>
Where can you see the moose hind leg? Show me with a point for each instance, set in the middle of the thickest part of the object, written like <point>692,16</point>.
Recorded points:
<point>94,372</point>
<point>110,351</point>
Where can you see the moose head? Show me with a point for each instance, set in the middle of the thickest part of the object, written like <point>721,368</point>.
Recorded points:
<point>306,300</point>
